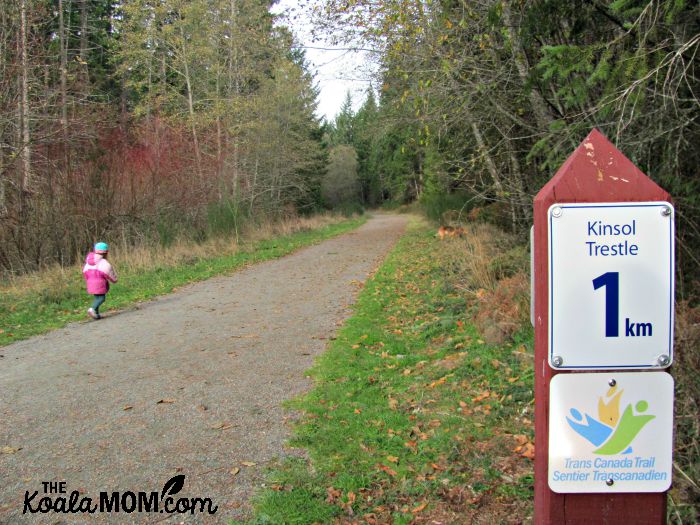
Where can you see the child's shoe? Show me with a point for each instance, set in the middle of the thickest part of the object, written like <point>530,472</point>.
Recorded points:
<point>93,314</point>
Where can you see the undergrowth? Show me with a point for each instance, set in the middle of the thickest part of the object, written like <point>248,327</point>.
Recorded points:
<point>414,417</point>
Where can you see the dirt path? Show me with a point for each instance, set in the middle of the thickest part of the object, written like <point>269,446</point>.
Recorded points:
<point>82,403</point>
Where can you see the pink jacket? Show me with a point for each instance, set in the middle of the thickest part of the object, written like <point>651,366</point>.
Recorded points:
<point>98,273</point>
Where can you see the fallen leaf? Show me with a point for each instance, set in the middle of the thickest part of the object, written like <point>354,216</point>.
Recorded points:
<point>248,463</point>
<point>481,396</point>
<point>358,411</point>
<point>333,494</point>
<point>528,451</point>
<point>128,407</point>
<point>440,381</point>
<point>392,459</point>
<point>165,401</point>
<point>513,379</point>
<point>9,450</point>
<point>386,469</point>
<point>521,439</point>
<point>419,508</point>
<point>234,471</point>
<point>222,426</point>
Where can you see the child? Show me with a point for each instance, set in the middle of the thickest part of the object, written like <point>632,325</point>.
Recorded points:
<point>98,273</point>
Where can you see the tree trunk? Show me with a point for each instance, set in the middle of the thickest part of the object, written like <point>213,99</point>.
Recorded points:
<point>84,74</point>
<point>190,105</point>
<point>219,147</point>
<point>539,106</point>
<point>520,204</point>
<point>252,187</point>
<point>63,46</point>
<point>483,150</point>
<point>233,78</point>
<point>26,148</point>
<point>3,64</point>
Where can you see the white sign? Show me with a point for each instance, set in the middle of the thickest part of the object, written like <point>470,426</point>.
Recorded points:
<point>611,285</point>
<point>611,432</point>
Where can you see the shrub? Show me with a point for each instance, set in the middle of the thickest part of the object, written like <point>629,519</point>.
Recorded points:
<point>685,495</point>
<point>435,204</point>
<point>503,310</point>
<point>510,262</point>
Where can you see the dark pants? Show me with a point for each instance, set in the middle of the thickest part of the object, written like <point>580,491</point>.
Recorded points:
<point>99,299</point>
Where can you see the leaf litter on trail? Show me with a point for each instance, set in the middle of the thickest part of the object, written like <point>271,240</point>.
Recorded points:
<point>386,469</point>
<point>165,401</point>
<point>525,447</point>
<point>10,450</point>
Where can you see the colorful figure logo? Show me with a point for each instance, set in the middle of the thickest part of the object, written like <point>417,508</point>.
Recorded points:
<point>611,433</point>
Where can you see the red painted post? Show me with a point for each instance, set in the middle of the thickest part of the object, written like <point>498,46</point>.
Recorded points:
<point>595,172</point>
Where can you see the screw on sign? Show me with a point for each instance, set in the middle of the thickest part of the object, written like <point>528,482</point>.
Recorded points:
<point>614,208</point>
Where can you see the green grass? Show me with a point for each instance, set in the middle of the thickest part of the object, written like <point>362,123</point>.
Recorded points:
<point>412,415</point>
<point>23,314</point>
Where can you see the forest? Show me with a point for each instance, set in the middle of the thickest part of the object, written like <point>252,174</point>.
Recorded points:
<point>149,120</point>
<point>479,103</point>
<point>144,121</point>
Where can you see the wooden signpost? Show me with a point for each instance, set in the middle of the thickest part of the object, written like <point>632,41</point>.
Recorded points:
<point>603,281</point>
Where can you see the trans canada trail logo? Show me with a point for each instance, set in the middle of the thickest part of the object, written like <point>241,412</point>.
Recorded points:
<point>611,432</point>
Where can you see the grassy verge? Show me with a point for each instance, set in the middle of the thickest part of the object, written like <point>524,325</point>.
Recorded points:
<point>35,304</point>
<point>414,417</point>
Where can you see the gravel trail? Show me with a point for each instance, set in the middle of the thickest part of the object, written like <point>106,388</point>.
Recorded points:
<point>189,384</point>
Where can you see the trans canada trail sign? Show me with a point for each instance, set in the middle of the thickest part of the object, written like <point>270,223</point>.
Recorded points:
<point>611,285</point>
<point>611,432</point>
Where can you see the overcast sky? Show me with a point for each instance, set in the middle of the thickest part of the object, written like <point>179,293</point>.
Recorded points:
<point>337,71</point>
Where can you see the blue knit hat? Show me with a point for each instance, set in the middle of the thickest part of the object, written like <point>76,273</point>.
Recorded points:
<point>101,247</point>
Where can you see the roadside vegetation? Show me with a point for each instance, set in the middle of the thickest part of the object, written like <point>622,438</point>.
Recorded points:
<point>416,417</point>
<point>422,410</point>
<point>51,298</point>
